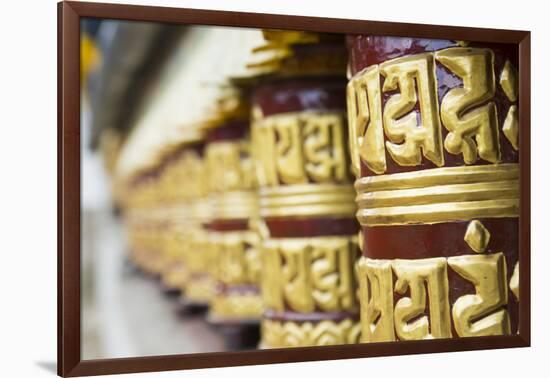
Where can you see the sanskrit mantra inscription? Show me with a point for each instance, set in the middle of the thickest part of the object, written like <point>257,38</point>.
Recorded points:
<point>229,166</point>
<point>422,310</point>
<point>237,257</point>
<point>409,125</point>
<point>277,334</point>
<point>309,274</point>
<point>302,147</point>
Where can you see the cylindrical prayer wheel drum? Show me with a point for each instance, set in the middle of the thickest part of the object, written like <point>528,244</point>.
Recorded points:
<point>199,287</point>
<point>142,216</point>
<point>175,218</point>
<point>237,304</point>
<point>434,136</point>
<point>309,244</point>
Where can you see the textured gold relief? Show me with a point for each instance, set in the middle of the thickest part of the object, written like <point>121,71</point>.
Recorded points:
<point>477,236</point>
<point>514,281</point>
<point>423,311</point>
<point>295,148</point>
<point>296,277</point>
<point>238,258</point>
<point>307,200</point>
<point>289,156</point>
<point>472,123</point>
<point>439,195</point>
<point>277,334</point>
<point>309,274</point>
<point>511,126</point>
<point>272,288</point>
<point>482,314</point>
<point>324,148</point>
<point>417,277</point>
<point>241,204</point>
<point>229,166</point>
<point>332,290</point>
<point>376,299</point>
<point>366,134</point>
<point>509,81</point>
<point>439,176</point>
<point>406,137</point>
<point>233,305</point>
<point>467,112</point>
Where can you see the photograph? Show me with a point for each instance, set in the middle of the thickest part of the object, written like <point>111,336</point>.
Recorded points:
<point>247,188</point>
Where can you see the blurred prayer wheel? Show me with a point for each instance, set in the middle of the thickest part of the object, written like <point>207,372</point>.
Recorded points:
<point>141,216</point>
<point>434,136</point>
<point>236,305</point>
<point>200,283</point>
<point>309,244</point>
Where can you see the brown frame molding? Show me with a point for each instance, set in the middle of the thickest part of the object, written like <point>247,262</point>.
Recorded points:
<point>69,14</point>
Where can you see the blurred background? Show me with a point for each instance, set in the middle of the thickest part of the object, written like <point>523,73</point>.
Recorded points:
<point>134,76</point>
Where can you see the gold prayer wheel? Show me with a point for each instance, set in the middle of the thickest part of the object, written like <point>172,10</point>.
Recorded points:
<point>237,304</point>
<point>306,194</point>
<point>434,137</point>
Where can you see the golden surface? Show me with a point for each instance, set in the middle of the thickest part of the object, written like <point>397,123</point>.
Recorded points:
<point>366,134</point>
<point>235,306</point>
<point>514,281</point>
<point>309,274</point>
<point>300,147</point>
<point>277,334</point>
<point>406,137</point>
<point>234,204</point>
<point>511,126</point>
<point>424,310</point>
<point>237,257</point>
<point>477,236</point>
<point>307,200</point>
<point>510,86</point>
<point>509,81</point>
<point>229,166</point>
<point>280,56</point>
<point>376,300</point>
<point>482,314</point>
<point>439,195</point>
<point>199,290</point>
<point>471,131</point>
<point>415,277</point>
<point>412,119</point>
<point>301,164</point>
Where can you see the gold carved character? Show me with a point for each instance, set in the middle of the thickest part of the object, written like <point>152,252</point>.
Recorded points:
<point>471,120</point>
<point>324,148</point>
<point>376,293</point>
<point>482,314</point>
<point>419,276</point>
<point>332,276</point>
<point>294,148</point>
<point>366,134</point>
<point>407,138</point>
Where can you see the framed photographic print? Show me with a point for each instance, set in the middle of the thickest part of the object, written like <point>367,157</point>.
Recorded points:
<point>239,188</point>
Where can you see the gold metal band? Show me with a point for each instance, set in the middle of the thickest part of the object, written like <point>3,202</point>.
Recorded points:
<point>202,210</point>
<point>277,334</point>
<point>200,290</point>
<point>240,306</point>
<point>439,195</point>
<point>307,200</point>
<point>235,205</point>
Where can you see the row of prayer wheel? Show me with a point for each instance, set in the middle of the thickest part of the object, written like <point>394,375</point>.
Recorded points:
<point>356,189</point>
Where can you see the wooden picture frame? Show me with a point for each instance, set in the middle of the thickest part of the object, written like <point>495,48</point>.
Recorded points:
<point>69,227</point>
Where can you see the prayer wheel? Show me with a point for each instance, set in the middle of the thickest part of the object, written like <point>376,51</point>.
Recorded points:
<point>433,130</point>
<point>306,196</point>
<point>236,305</point>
